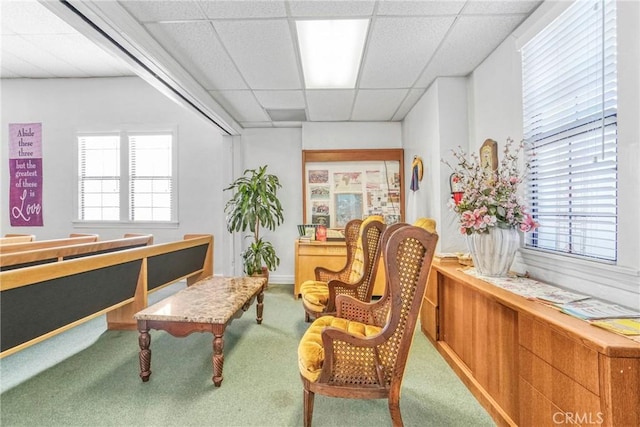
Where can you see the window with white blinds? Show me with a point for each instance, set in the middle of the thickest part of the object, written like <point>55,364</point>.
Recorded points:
<point>99,177</point>
<point>569,111</point>
<point>150,186</point>
<point>126,176</point>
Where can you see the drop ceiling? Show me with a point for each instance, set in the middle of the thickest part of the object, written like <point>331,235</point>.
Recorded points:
<point>237,62</point>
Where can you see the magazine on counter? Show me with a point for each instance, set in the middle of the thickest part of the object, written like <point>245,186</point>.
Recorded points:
<point>592,309</point>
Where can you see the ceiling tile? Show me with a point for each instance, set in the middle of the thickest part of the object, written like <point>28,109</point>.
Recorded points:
<point>412,97</point>
<point>244,51</point>
<point>244,9</point>
<point>324,9</point>
<point>484,7</point>
<point>256,124</point>
<point>399,49</point>
<point>30,17</point>
<point>329,105</point>
<point>287,124</point>
<point>82,53</point>
<point>420,7</point>
<point>280,98</point>
<point>16,67</point>
<point>198,49</point>
<point>163,10</point>
<point>375,105</point>
<point>263,51</point>
<point>287,114</point>
<point>458,57</point>
<point>41,48</point>
<point>241,104</point>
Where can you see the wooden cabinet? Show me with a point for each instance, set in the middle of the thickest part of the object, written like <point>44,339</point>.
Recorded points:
<point>331,255</point>
<point>526,363</point>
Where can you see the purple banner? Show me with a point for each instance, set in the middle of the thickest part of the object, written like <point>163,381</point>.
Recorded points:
<point>25,166</point>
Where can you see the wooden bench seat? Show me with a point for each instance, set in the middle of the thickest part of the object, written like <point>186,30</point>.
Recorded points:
<point>13,260</point>
<point>73,239</point>
<point>16,238</point>
<point>41,301</point>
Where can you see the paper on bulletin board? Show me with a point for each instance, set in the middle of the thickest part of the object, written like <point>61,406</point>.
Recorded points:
<point>25,166</point>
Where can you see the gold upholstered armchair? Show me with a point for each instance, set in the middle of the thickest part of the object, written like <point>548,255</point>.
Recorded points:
<point>355,279</point>
<point>361,352</point>
<point>351,234</point>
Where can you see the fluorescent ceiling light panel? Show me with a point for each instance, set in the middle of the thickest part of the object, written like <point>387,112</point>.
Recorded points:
<point>331,51</point>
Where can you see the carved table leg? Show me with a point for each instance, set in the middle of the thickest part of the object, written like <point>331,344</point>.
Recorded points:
<point>218,359</point>
<point>259,306</point>
<point>144,340</point>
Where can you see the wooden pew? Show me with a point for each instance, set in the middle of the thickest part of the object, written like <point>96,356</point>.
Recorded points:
<point>73,239</point>
<point>41,301</point>
<point>12,260</point>
<point>16,238</point>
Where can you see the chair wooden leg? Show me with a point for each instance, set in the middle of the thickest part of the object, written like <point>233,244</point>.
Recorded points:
<point>394,410</point>
<point>308,407</point>
<point>306,317</point>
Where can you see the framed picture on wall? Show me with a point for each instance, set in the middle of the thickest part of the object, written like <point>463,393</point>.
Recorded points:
<point>341,185</point>
<point>347,207</point>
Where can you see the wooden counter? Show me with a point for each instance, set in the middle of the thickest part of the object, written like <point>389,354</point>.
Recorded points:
<point>529,364</point>
<point>331,255</point>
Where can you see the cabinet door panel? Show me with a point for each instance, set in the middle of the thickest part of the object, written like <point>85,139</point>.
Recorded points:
<point>575,360</point>
<point>560,389</point>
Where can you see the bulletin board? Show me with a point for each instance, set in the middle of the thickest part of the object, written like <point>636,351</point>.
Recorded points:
<point>341,185</point>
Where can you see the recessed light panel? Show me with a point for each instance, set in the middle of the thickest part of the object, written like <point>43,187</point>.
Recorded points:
<point>331,51</point>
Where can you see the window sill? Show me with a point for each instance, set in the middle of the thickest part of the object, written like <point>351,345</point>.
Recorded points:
<point>601,280</point>
<point>126,224</point>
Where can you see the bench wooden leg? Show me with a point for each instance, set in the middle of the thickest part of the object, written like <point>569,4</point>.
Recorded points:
<point>218,359</point>
<point>259,307</point>
<point>144,341</point>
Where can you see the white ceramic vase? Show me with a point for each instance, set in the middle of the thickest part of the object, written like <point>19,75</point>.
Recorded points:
<point>493,252</point>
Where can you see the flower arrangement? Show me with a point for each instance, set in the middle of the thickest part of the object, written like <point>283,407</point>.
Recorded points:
<point>490,198</point>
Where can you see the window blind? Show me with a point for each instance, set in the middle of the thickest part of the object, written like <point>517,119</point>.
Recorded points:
<point>150,168</point>
<point>99,177</point>
<point>569,113</point>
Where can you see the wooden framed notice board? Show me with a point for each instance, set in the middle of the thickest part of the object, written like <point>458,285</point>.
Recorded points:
<point>341,185</point>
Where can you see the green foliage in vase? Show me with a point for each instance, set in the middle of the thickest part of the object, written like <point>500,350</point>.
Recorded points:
<point>255,205</point>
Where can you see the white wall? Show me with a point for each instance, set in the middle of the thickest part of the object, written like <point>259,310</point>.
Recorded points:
<point>436,125</point>
<point>281,149</point>
<point>65,106</point>
<point>496,100</point>
<point>351,135</point>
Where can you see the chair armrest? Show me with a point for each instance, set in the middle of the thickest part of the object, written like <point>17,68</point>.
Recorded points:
<point>362,347</point>
<point>351,308</point>
<point>326,275</point>
<point>338,287</point>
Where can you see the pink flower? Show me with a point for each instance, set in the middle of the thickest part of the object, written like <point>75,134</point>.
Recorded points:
<point>490,200</point>
<point>467,219</point>
<point>489,220</point>
<point>528,224</point>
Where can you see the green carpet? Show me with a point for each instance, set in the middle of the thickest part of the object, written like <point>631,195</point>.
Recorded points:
<point>99,385</point>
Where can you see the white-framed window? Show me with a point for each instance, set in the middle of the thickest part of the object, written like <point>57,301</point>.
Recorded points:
<point>569,77</point>
<point>127,176</point>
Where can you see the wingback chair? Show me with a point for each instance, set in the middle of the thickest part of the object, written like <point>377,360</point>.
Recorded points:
<point>356,279</point>
<point>361,352</point>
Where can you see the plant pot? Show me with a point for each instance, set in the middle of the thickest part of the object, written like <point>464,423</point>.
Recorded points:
<point>264,273</point>
<point>493,252</point>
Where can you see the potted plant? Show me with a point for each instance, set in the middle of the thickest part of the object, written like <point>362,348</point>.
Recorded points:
<point>255,205</point>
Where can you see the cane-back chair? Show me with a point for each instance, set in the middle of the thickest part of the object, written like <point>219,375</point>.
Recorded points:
<point>356,279</point>
<point>362,351</point>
